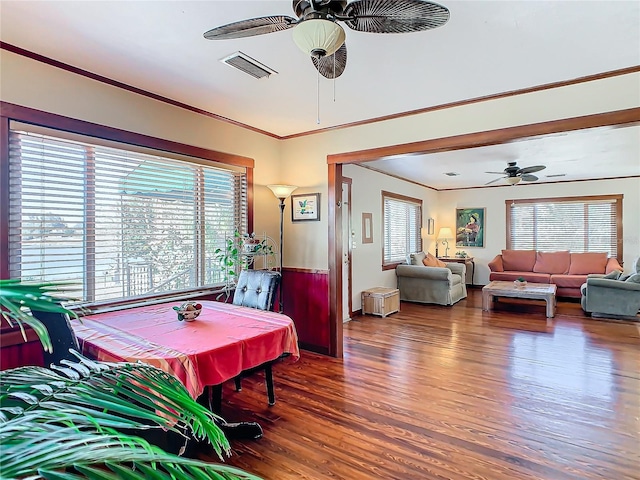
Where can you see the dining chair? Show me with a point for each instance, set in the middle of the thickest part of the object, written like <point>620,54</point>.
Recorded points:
<point>257,289</point>
<point>63,339</point>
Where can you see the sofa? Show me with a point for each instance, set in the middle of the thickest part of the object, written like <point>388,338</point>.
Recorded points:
<point>567,270</point>
<point>443,285</point>
<point>614,295</point>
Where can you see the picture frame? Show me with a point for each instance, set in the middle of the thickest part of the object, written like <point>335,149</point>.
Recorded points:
<point>367,228</point>
<point>305,207</point>
<point>470,227</point>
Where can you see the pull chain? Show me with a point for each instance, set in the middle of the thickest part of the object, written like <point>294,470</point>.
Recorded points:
<point>318,100</point>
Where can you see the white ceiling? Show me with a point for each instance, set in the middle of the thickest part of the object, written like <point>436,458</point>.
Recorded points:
<point>487,47</point>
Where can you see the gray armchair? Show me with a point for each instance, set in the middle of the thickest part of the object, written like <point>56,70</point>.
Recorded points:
<point>611,297</point>
<point>438,285</point>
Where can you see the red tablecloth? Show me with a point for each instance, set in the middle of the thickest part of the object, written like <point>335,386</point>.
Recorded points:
<point>222,342</point>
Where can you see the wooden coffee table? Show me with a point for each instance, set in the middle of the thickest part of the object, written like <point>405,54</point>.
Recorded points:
<point>536,291</point>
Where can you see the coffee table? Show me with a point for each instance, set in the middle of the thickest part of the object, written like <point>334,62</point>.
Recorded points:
<point>536,291</point>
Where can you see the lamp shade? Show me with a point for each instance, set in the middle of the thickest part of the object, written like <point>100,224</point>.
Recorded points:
<point>282,191</point>
<point>318,37</point>
<point>512,180</point>
<point>445,233</point>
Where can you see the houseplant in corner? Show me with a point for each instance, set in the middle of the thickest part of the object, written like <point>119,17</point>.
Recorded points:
<point>68,421</point>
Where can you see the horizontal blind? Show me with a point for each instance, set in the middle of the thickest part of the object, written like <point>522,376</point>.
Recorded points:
<point>577,226</point>
<point>402,223</point>
<point>117,223</point>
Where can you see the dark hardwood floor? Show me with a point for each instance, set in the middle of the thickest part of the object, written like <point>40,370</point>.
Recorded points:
<point>453,393</point>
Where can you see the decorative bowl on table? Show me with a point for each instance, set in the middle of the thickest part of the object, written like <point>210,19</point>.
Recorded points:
<point>188,311</point>
<point>520,283</point>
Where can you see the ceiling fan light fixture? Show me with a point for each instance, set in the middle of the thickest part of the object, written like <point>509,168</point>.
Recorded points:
<point>318,37</point>
<point>512,180</point>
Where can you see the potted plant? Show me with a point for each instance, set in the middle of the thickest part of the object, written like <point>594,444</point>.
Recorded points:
<point>69,421</point>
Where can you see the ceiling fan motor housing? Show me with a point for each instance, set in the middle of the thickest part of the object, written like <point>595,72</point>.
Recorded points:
<point>332,7</point>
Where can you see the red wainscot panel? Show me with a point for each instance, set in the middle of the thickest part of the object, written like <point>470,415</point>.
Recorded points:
<point>15,352</point>
<point>306,301</point>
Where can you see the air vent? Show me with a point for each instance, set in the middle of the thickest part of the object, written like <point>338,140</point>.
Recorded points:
<point>556,175</point>
<point>248,65</point>
<point>452,174</point>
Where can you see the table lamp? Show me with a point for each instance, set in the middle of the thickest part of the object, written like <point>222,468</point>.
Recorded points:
<point>445,234</point>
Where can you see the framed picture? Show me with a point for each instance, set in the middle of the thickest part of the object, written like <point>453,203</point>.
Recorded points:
<point>367,228</point>
<point>470,227</point>
<point>305,208</point>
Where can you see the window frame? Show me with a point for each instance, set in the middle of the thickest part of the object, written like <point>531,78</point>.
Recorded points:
<point>618,199</point>
<point>12,112</point>
<point>406,199</point>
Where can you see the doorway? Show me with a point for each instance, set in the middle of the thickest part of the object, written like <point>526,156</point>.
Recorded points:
<point>348,242</point>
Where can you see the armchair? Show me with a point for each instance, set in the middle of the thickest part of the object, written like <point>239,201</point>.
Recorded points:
<point>436,285</point>
<point>602,296</point>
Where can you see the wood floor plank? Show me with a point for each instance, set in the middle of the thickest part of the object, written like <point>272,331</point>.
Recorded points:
<point>453,393</point>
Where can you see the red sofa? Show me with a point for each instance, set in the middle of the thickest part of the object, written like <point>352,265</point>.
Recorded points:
<point>565,269</point>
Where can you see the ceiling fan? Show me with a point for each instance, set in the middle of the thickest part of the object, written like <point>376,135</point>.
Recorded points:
<point>318,33</point>
<point>514,174</point>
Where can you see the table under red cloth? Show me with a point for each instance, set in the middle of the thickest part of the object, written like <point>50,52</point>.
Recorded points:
<point>223,341</point>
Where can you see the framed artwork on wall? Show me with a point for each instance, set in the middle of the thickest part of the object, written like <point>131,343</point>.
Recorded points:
<point>305,207</point>
<point>470,227</point>
<point>367,228</point>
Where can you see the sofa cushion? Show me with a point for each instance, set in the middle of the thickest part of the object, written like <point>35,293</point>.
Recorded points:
<point>635,278</point>
<point>416,258</point>
<point>552,262</point>
<point>568,281</point>
<point>518,260</point>
<point>528,276</point>
<point>431,261</point>
<point>588,262</point>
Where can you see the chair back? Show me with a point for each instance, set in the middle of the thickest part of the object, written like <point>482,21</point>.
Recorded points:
<point>62,336</point>
<point>256,289</point>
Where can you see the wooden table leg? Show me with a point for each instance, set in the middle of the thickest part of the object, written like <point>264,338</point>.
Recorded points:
<point>551,306</point>
<point>486,301</point>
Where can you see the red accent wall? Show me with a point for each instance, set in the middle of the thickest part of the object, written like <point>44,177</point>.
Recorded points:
<point>306,301</point>
<point>15,352</point>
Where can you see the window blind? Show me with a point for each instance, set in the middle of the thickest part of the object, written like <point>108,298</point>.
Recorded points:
<point>577,225</point>
<point>402,224</point>
<point>117,223</point>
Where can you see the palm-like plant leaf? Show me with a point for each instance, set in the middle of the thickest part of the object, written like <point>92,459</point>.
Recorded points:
<point>46,297</point>
<point>45,450</point>
<point>111,393</point>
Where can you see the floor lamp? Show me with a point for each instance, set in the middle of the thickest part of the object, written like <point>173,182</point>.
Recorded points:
<point>281,192</point>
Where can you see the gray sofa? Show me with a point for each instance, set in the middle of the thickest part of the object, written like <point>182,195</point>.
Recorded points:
<point>612,296</point>
<point>437,285</point>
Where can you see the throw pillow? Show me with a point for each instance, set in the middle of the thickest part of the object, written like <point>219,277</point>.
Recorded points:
<point>613,275</point>
<point>635,278</point>
<point>431,261</point>
<point>416,258</point>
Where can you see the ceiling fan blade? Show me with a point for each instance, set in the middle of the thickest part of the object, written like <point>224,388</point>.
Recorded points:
<point>494,180</point>
<point>326,65</point>
<point>251,27</point>
<point>535,168</point>
<point>527,177</point>
<point>401,16</point>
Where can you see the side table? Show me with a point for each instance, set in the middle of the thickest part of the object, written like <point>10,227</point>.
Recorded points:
<point>380,301</point>
<point>468,261</point>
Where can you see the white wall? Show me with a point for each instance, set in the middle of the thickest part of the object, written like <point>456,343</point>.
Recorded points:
<point>304,159</point>
<point>366,193</point>
<point>493,199</point>
<point>36,85</point>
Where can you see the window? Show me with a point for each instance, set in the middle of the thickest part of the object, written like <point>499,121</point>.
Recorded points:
<point>117,222</point>
<point>402,223</point>
<point>577,224</point>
